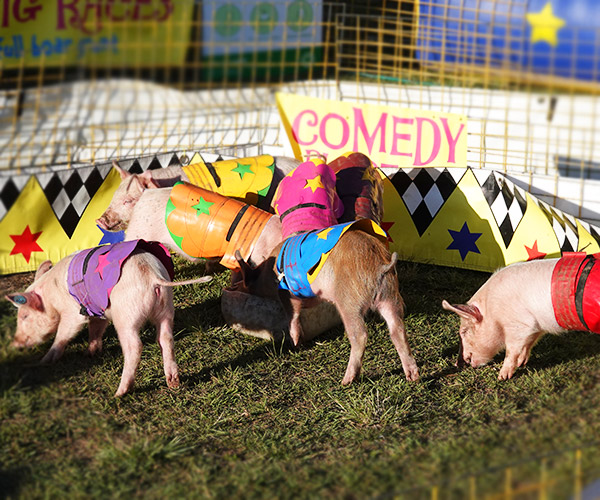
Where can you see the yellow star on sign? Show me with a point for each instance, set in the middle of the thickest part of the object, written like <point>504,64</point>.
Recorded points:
<point>545,25</point>
<point>323,234</point>
<point>314,183</point>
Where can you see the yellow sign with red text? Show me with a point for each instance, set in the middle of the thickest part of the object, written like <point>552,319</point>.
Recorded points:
<point>392,137</point>
<point>60,32</point>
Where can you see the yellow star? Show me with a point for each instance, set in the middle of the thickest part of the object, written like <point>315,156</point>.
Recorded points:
<point>314,183</point>
<point>545,25</point>
<point>323,234</point>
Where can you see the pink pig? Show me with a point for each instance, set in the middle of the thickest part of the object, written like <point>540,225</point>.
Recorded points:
<point>132,187</point>
<point>522,302</point>
<point>143,292</point>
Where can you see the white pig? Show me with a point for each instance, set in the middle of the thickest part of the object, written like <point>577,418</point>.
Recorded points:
<point>522,302</point>
<point>132,186</point>
<point>143,293</point>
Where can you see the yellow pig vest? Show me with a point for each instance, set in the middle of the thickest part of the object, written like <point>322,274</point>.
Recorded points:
<point>248,179</point>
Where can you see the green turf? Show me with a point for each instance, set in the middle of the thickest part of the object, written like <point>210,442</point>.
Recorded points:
<point>256,420</point>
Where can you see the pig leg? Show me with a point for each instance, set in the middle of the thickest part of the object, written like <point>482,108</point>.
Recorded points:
<point>356,330</point>
<point>164,336</point>
<point>517,355</point>
<point>292,308</point>
<point>96,329</point>
<point>131,345</point>
<point>68,328</point>
<point>392,312</point>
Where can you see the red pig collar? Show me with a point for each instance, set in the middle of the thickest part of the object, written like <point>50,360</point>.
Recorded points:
<point>575,290</point>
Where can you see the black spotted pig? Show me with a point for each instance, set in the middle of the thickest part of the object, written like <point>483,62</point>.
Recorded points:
<point>522,302</point>
<point>359,274</point>
<point>132,186</point>
<point>127,283</point>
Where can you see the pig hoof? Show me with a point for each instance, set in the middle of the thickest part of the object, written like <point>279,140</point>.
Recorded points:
<point>173,381</point>
<point>505,374</point>
<point>94,351</point>
<point>412,374</point>
<point>120,392</point>
<point>50,357</point>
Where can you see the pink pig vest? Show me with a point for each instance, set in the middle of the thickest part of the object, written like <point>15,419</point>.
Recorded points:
<point>94,272</point>
<point>576,292</point>
<point>306,199</point>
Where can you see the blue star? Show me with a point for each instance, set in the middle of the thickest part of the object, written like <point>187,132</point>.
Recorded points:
<point>464,241</point>
<point>110,236</point>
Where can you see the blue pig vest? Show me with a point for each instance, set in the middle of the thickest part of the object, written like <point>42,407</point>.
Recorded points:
<point>302,257</point>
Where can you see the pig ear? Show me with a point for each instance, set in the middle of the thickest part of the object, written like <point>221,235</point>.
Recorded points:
<point>467,311</point>
<point>245,269</point>
<point>123,173</point>
<point>43,269</point>
<point>30,299</point>
<point>147,181</point>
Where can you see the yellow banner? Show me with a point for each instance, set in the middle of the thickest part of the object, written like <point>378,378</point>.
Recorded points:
<point>118,32</point>
<point>389,135</point>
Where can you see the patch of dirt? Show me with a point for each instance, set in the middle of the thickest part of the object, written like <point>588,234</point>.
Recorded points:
<point>15,282</point>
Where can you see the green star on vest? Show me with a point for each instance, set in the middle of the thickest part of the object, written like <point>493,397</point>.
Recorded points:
<point>202,207</point>
<point>242,169</point>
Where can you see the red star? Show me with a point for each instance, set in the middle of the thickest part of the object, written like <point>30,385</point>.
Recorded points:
<point>386,227</point>
<point>26,243</point>
<point>534,253</point>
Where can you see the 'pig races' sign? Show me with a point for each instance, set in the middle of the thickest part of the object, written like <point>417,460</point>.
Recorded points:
<point>390,136</point>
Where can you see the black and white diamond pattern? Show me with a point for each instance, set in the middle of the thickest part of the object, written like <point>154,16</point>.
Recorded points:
<point>507,202</point>
<point>10,188</point>
<point>424,191</point>
<point>593,230</point>
<point>564,226</point>
<point>70,191</point>
<point>150,162</point>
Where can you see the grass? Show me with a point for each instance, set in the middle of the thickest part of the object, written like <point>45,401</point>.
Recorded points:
<point>256,420</point>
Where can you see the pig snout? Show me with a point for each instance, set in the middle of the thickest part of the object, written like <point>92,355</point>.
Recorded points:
<point>22,341</point>
<point>109,223</point>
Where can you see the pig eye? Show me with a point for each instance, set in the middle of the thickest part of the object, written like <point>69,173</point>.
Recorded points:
<point>127,201</point>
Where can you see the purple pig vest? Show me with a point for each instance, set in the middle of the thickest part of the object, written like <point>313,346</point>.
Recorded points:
<point>94,272</point>
<point>306,199</point>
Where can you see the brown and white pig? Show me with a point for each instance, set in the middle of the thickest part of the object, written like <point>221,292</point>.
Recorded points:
<point>142,293</point>
<point>132,186</point>
<point>521,302</point>
<point>359,274</point>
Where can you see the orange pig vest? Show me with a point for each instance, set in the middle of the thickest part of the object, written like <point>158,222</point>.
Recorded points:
<point>576,292</point>
<point>209,225</point>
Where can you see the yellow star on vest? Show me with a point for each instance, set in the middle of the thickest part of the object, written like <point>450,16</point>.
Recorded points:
<point>314,183</point>
<point>323,234</point>
<point>545,25</point>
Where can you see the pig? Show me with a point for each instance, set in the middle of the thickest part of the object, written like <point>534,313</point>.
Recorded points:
<point>132,186</point>
<point>257,231</point>
<point>360,187</point>
<point>521,302</point>
<point>359,274</point>
<point>143,291</point>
